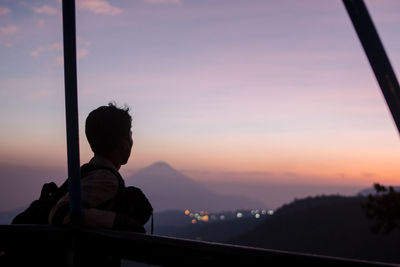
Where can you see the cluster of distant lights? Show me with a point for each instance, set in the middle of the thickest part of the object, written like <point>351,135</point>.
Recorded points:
<point>204,216</point>
<point>199,216</point>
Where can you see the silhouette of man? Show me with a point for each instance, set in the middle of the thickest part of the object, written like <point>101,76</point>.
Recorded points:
<point>108,130</point>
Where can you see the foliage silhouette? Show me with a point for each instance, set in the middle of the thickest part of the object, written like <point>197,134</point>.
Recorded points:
<point>384,208</point>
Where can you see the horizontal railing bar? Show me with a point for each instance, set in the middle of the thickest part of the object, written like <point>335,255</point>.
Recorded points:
<point>156,249</point>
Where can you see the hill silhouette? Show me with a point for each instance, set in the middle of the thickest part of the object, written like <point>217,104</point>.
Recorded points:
<point>324,225</point>
<point>169,189</point>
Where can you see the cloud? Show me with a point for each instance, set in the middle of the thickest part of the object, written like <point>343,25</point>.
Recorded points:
<point>83,42</point>
<point>57,46</point>
<point>8,30</point>
<point>7,35</point>
<point>82,53</point>
<point>46,10</point>
<point>8,44</point>
<point>98,7</point>
<point>83,46</point>
<point>4,10</point>
<point>41,22</point>
<point>35,53</point>
<point>162,1</point>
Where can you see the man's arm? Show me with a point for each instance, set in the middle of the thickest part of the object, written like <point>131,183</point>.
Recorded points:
<point>97,188</point>
<point>108,219</point>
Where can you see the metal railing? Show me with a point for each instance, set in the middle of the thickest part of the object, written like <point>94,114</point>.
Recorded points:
<point>43,240</point>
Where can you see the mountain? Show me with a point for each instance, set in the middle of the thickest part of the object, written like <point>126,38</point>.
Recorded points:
<point>325,225</point>
<point>168,189</point>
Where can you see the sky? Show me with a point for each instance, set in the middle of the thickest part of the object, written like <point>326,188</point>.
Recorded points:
<point>220,89</point>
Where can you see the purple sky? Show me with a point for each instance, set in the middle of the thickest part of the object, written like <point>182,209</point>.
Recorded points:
<point>219,86</point>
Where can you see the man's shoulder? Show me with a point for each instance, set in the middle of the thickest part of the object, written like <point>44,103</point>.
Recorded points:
<point>100,186</point>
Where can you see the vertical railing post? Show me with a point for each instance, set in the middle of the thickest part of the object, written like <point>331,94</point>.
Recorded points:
<point>71,108</point>
<point>376,54</point>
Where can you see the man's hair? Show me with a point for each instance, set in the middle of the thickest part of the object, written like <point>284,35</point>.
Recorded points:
<point>106,126</point>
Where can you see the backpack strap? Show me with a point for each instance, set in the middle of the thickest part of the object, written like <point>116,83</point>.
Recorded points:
<point>152,223</point>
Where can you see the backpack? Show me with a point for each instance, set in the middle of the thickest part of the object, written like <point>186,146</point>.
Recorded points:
<point>39,210</point>
<point>130,201</point>
<point>133,203</point>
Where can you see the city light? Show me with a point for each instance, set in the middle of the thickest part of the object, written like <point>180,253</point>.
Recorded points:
<point>270,212</point>
<point>206,217</point>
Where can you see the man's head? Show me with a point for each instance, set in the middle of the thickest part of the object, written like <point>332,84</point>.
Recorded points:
<point>108,130</point>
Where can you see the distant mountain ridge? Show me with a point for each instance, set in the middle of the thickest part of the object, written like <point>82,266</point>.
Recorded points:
<point>168,189</point>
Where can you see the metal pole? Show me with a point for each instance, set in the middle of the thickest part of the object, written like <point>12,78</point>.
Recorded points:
<point>376,54</point>
<point>71,108</point>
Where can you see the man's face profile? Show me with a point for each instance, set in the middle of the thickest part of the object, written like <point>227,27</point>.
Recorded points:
<point>127,148</point>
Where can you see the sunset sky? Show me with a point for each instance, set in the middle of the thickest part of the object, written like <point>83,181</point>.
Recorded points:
<point>221,86</point>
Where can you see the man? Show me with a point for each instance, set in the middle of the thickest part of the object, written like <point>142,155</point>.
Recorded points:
<point>105,198</point>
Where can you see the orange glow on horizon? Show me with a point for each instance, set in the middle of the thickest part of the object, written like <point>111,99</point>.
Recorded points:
<point>293,159</point>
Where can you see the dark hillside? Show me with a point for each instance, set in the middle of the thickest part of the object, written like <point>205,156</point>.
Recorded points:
<point>327,225</point>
